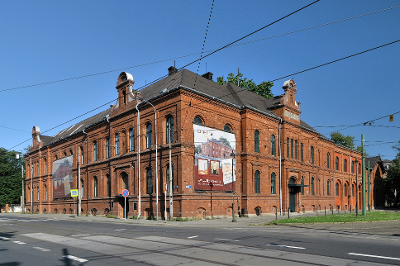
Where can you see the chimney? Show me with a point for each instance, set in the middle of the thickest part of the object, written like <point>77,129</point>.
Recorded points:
<point>172,70</point>
<point>208,75</point>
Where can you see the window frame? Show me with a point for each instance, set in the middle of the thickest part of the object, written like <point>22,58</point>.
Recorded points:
<point>116,144</point>
<point>273,183</point>
<point>257,187</point>
<point>256,141</point>
<point>131,139</point>
<point>149,135</point>
<point>169,129</point>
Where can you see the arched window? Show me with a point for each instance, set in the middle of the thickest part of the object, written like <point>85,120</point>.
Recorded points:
<point>149,136</point>
<point>149,181</point>
<point>125,181</point>
<point>198,121</point>
<point>353,189</point>
<point>312,155</point>
<point>108,186</point>
<point>345,189</point>
<point>312,186</point>
<point>95,187</point>
<point>82,155</point>
<point>327,160</point>
<point>168,178</point>
<point>273,183</point>
<point>38,194</point>
<point>328,188</point>
<point>95,151</point>
<point>337,163</point>
<point>170,129</point>
<point>117,144</point>
<point>345,165</point>
<point>273,145</point>
<point>227,128</point>
<point>337,189</point>
<point>131,140</point>
<point>82,189</point>
<point>359,168</point>
<point>257,182</point>
<point>108,148</point>
<point>256,141</point>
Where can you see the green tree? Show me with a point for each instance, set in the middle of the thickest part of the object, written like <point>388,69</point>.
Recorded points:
<point>10,177</point>
<point>263,89</point>
<point>339,138</point>
<point>227,143</point>
<point>392,181</point>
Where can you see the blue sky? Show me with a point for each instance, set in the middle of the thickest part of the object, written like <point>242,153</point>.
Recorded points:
<point>44,42</point>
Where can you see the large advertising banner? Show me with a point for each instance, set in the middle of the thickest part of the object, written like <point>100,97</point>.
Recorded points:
<point>62,177</point>
<point>213,163</point>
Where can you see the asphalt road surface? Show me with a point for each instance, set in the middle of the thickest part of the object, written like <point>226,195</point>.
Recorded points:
<point>65,240</point>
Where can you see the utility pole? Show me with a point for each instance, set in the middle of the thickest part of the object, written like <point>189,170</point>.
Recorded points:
<point>79,182</point>
<point>171,199</point>
<point>369,186</point>
<point>363,176</point>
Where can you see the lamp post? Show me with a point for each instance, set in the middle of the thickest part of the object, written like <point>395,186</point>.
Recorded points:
<point>233,188</point>
<point>356,163</point>
<point>22,183</point>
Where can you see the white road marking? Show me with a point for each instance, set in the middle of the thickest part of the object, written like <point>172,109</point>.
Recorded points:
<point>19,242</point>
<point>4,238</point>
<point>285,246</point>
<point>70,257</point>
<point>193,236</point>
<point>41,249</point>
<point>373,256</point>
<point>119,230</point>
<point>226,239</point>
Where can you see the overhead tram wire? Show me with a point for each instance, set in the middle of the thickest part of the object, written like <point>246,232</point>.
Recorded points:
<point>331,62</point>
<point>213,52</point>
<point>194,54</point>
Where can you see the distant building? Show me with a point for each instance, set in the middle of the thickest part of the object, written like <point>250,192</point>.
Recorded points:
<point>281,163</point>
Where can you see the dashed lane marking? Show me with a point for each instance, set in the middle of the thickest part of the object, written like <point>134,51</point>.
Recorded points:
<point>19,242</point>
<point>42,249</point>
<point>193,236</point>
<point>285,246</point>
<point>70,257</point>
<point>373,256</point>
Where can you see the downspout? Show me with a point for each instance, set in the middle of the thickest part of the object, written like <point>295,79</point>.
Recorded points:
<point>280,166</point>
<point>138,126</point>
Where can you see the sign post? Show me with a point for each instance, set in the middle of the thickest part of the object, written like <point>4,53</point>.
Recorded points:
<point>74,194</point>
<point>165,201</point>
<point>125,193</point>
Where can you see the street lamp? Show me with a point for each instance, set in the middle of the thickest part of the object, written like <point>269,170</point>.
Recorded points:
<point>233,189</point>
<point>356,163</point>
<point>22,183</point>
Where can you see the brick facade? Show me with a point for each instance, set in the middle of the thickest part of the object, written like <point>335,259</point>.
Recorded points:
<point>301,160</point>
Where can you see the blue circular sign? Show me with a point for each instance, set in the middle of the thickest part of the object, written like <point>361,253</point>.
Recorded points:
<point>125,193</point>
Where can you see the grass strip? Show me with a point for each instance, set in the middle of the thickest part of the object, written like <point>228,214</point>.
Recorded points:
<point>341,218</point>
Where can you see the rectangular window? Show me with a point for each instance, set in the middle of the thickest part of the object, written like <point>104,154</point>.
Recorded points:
<point>116,144</point>
<point>301,152</point>
<point>295,149</point>
<point>108,148</point>
<point>131,140</point>
<point>287,147</point>
<point>291,148</point>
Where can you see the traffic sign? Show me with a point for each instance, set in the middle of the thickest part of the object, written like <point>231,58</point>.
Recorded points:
<point>125,193</point>
<point>74,193</point>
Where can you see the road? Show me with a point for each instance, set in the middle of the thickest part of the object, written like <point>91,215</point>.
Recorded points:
<point>62,240</point>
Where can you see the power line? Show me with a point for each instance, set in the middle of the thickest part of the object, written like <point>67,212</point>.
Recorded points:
<point>337,60</point>
<point>194,54</point>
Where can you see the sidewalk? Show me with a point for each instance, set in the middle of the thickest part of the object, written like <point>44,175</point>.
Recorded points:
<point>387,228</point>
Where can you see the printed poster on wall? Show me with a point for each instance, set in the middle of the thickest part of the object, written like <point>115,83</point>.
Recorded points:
<point>213,162</point>
<point>62,177</point>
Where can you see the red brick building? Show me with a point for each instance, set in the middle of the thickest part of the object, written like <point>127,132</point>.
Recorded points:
<point>280,162</point>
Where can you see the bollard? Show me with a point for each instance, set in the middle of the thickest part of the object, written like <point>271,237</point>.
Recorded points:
<point>276,214</point>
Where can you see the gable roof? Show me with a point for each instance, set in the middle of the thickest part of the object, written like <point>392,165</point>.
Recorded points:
<point>228,93</point>
<point>374,161</point>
